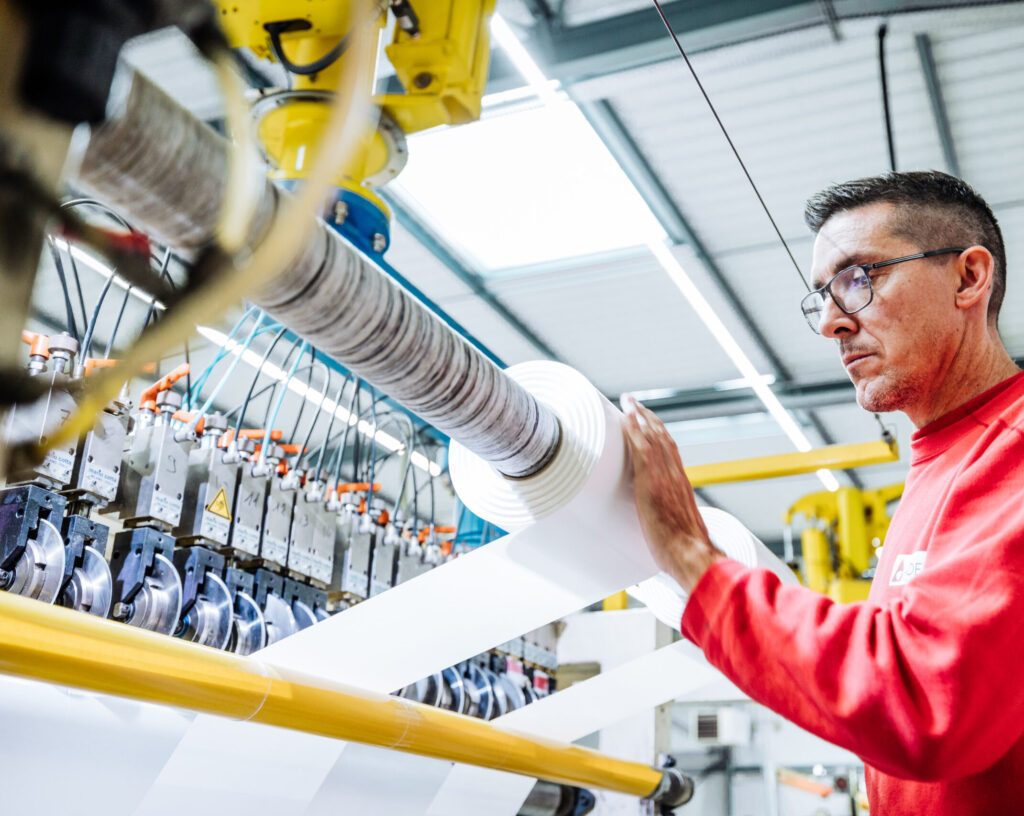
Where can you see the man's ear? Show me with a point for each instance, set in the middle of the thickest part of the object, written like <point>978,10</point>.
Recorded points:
<point>976,268</point>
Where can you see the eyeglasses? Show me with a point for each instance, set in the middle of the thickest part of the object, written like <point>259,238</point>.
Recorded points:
<point>851,287</point>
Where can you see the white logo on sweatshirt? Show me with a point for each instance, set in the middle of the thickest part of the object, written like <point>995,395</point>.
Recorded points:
<point>907,567</point>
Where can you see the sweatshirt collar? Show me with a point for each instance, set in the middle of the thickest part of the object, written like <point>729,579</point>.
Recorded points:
<point>939,435</point>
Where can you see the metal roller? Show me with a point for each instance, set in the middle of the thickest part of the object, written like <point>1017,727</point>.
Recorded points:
<point>210,621</point>
<point>157,606</point>
<point>249,629</point>
<point>90,588</point>
<point>39,572</point>
<point>166,170</point>
<point>280,619</point>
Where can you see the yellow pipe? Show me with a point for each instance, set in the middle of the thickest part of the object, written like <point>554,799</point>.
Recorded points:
<point>616,602</point>
<point>855,549</point>
<point>817,559</point>
<point>791,464</point>
<point>57,645</point>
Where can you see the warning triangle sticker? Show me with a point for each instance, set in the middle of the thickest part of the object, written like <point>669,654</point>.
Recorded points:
<point>219,505</point>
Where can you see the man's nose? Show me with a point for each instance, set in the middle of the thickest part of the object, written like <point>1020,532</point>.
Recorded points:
<point>834,321</point>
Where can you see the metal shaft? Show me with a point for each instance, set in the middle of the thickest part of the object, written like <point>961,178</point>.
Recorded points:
<point>63,646</point>
<point>165,170</point>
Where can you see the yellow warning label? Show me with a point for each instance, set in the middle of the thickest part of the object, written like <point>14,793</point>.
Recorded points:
<point>219,505</point>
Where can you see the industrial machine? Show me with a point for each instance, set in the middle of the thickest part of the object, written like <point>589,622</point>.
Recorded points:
<point>215,537</point>
<point>844,532</point>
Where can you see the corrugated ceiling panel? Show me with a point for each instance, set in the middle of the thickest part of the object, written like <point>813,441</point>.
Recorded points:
<point>578,12</point>
<point>415,262</point>
<point>489,328</point>
<point>622,323</point>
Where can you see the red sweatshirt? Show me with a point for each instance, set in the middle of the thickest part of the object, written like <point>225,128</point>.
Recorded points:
<point>925,680</point>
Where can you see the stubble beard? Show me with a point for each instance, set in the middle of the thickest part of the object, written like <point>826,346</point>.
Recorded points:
<point>888,392</point>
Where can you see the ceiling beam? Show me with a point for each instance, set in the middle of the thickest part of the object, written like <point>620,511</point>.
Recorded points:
<point>638,38</point>
<point>937,102</point>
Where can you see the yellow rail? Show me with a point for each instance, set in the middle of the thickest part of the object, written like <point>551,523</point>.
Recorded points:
<point>791,464</point>
<point>65,647</point>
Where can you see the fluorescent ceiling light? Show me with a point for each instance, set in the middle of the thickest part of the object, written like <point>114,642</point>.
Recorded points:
<point>655,241</point>
<point>527,67</point>
<point>552,189</point>
<point>102,269</point>
<point>251,358</point>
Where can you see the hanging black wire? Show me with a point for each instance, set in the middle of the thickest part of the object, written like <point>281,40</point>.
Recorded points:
<point>316,414</point>
<point>352,408</point>
<point>70,325</point>
<point>255,378</point>
<point>317,474</point>
<point>883,74</point>
<point>728,138</point>
<point>90,329</point>
<point>117,323</point>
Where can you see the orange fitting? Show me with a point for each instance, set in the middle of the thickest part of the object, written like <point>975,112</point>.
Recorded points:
<point>163,384</point>
<point>38,344</point>
<point>92,363</point>
<point>186,416</point>
<point>291,449</point>
<point>440,529</point>
<point>357,487</point>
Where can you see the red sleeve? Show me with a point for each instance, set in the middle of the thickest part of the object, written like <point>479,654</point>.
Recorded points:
<point>926,687</point>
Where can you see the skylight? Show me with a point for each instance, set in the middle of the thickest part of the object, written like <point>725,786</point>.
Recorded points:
<point>532,186</point>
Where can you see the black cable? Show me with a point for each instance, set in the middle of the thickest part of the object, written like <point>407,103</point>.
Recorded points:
<point>117,323</point>
<point>275,30</point>
<point>152,300</point>
<point>276,383</point>
<point>330,427</point>
<point>256,377</point>
<point>78,284</point>
<point>70,325</point>
<point>316,415</point>
<point>728,138</point>
<point>91,328</point>
<point>302,405</point>
<point>268,387</point>
<point>883,30</point>
<point>348,426</point>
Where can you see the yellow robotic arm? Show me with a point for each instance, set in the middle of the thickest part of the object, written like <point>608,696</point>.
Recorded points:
<point>440,51</point>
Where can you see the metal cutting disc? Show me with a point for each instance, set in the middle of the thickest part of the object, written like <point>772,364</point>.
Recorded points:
<point>304,616</point>
<point>458,699</point>
<point>321,614</point>
<point>157,606</point>
<point>280,619</point>
<point>209,621</point>
<point>514,693</point>
<point>39,572</point>
<point>501,705</point>
<point>90,587</point>
<point>249,629</point>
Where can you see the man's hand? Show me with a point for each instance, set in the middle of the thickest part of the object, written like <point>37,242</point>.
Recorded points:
<point>665,501</point>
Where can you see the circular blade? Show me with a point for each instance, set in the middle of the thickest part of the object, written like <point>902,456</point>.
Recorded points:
<point>501,706</point>
<point>249,629</point>
<point>459,699</point>
<point>513,693</point>
<point>427,691</point>
<point>209,622</point>
<point>481,694</point>
<point>157,606</point>
<point>39,572</point>
<point>280,619</point>
<point>304,616</point>
<point>90,587</point>
<point>321,614</point>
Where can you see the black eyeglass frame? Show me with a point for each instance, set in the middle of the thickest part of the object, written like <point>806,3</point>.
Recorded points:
<point>827,288</point>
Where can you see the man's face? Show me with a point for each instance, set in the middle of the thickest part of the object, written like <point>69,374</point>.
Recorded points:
<point>896,349</point>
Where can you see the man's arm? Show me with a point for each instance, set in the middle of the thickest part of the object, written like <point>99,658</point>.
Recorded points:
<point>926,687</point>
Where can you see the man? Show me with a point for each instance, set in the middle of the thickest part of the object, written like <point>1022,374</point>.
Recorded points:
<point>925,680</point>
